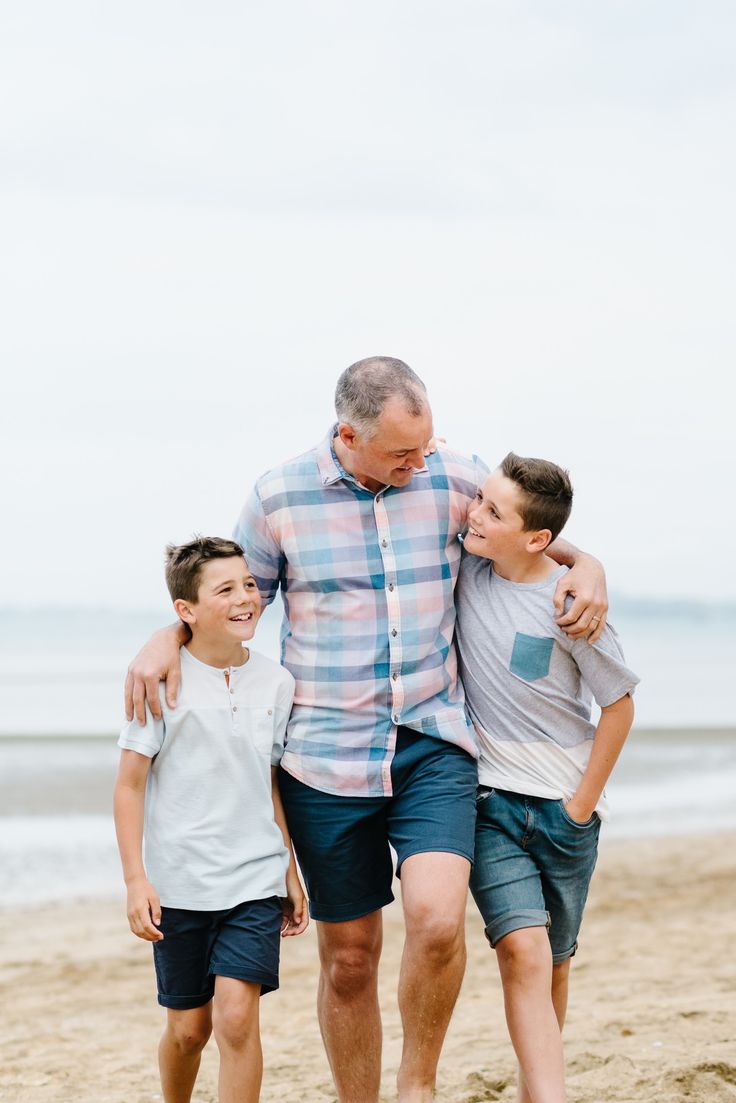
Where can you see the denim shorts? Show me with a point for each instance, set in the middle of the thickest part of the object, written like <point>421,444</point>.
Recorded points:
<point>241,942</point>
<point>533,866</point>
<point>343,842</point>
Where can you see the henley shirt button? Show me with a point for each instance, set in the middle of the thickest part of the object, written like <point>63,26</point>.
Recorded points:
<point>396,718</point>
<point>394,675</point>
<point>235,708</point>
<point>384,543</point>
<point>390,585</point>
<point>394,632</point>
<point>270,712</point>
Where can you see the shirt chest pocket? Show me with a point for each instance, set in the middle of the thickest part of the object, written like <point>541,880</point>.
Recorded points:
<point>531,656</point>
<point>260,729</point>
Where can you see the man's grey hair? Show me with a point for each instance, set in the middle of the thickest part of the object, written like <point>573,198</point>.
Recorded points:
<point>364,388</point>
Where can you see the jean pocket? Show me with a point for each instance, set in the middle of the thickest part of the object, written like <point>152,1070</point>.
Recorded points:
<point>530,657</point>
<point>594,819</point>
<point>483,793</point>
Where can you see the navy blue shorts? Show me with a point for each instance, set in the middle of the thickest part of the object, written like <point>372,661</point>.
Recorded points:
<point>342,842</point>
<point>241,942</point>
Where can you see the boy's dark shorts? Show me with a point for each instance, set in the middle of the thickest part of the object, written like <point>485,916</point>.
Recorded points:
<point>342,842</point>
<point>241,942</point>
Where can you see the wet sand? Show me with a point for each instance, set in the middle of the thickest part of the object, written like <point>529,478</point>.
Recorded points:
<point>652,1011</point>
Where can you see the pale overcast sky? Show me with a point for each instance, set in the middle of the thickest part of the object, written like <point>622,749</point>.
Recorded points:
<point>207,211</point>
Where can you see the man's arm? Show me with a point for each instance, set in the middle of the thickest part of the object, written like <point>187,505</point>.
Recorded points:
<point>158,661</point>
<point>144,907</point>
<point>610,736</point>
<point>586,582</point>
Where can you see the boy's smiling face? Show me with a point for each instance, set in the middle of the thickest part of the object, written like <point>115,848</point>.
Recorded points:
<point>228,603</point>
<point>495,528</point>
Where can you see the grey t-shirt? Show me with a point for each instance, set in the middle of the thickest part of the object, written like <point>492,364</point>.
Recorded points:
<point>527,685</point>
<point>210,838</point>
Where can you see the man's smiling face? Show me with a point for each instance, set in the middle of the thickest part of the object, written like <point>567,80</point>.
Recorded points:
<point>395,450</point>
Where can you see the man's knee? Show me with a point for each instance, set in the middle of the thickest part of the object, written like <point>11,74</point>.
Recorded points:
<point>439,938</point>
<point>349,958</point>
<point>434,894</point>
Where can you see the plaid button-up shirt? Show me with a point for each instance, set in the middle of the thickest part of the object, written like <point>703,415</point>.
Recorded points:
<point>367,582</point>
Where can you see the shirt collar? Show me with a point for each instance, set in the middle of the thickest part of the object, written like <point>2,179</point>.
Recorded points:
<point>330,471</point>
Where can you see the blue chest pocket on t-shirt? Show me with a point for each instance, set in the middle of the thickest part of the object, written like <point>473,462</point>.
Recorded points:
<point>530,656</point>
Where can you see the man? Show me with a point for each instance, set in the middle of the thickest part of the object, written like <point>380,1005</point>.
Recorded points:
<point>361,535</point>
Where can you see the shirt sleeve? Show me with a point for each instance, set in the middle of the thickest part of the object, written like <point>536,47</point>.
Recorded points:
<point>482,470</point>
<point>146,740</point>
<point>603,668</point>
<point>282,711</point>
<point>264,555</point>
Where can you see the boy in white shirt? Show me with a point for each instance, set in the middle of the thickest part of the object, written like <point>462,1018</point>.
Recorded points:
<point>219,886</point>
<point>543,764</point>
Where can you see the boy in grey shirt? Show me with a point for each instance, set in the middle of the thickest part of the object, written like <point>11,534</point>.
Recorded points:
<point>543,764</point>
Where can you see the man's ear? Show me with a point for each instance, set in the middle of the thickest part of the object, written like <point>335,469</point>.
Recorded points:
<point>539,540</point>
<point>184,611</point>
<point>347,434</point>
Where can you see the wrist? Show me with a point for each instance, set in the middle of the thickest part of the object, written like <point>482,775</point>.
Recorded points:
<point>132,880</point>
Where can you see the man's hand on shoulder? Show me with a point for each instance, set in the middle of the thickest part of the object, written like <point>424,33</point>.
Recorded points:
<point>431,447</point>
<point>586,583</point>
<point>157,662</point>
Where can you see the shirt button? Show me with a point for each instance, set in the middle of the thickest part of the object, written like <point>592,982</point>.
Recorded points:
<point>394,675</point>
<point>396,718</point>
<point>384,543</point>
<point>394,632</point>
<point>270,712</point>
<point>390,585</point>
<point>235,708</point>
<point>232,690</point>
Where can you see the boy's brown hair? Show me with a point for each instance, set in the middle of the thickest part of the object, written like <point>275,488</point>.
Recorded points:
<point>546,492</point>
<point>184,563</point>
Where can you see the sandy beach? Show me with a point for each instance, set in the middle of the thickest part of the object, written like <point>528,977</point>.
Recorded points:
<point>652,1015</point>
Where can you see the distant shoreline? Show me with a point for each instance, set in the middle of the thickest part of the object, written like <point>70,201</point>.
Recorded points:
<point>716,731</point>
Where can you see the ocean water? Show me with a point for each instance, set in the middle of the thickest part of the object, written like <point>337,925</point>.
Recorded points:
<point>61,706</point>
<point>63,674</point>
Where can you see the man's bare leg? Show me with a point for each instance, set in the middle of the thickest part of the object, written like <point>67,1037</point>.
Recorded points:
<point>525,963</point>
<point>180,1051</point>
<point>434,888</point>
<point>347,1005</point>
